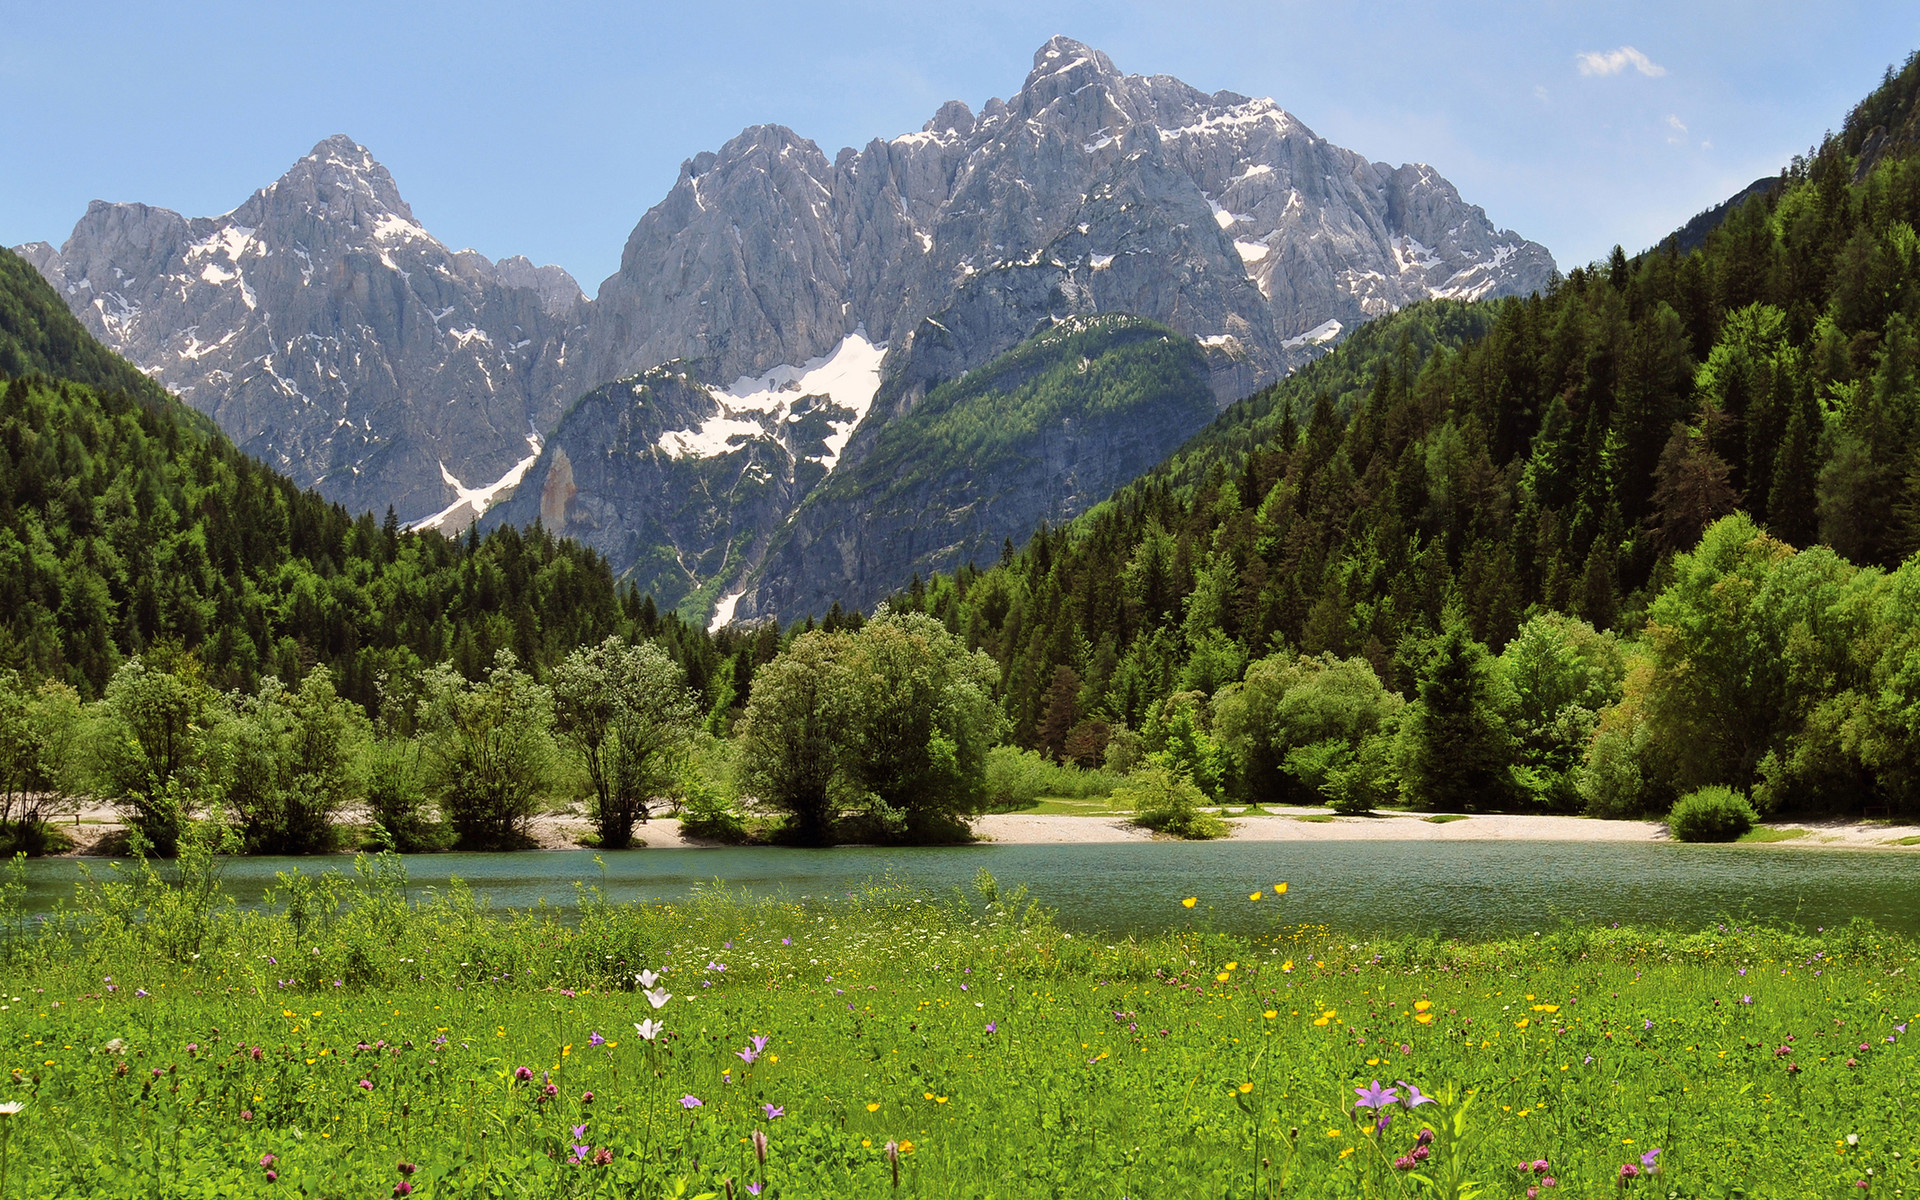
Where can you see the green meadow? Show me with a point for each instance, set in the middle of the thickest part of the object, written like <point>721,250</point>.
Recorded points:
<point>161,1041</point>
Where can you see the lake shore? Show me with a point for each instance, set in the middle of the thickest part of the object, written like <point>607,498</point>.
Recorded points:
<point>562,832</point>
<point>101,831</point>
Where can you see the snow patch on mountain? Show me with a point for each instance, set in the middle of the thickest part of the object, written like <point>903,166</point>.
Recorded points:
<point>468,502</point>
<point>1325,331</point>
<point>757,407</point>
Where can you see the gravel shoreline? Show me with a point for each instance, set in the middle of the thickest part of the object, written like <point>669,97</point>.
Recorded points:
<point>101,832</point>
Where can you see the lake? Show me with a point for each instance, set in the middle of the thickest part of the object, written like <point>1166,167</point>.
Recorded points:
<point>1454,889</point>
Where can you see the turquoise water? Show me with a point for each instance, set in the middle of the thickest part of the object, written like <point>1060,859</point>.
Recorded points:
<point>1454,889</point>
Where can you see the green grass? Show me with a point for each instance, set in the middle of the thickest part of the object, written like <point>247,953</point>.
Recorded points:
<point>1003,1056</point>
<point>1097,806</point>
<point>1766,833</point>
<point>1444,818</point>
<point>1907,841</point>
<point>1316,818</point>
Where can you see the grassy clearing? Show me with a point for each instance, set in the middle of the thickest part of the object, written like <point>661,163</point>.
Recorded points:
<point>1766,833</point>
<point>1444,818</point>
<point>1316,818</point>
<point>1068,806</point>
<point>314,1051</point>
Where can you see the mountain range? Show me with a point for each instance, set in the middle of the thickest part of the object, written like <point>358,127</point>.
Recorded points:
<point>736,418</point>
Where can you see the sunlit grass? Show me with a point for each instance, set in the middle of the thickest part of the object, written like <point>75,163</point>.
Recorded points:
<point>996,1053</point>
<point>1768,833</point>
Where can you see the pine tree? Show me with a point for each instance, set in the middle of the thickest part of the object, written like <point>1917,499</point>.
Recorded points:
<point>1457,753</point>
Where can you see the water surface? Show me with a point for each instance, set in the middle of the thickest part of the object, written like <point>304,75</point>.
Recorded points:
<point>1454,889</point>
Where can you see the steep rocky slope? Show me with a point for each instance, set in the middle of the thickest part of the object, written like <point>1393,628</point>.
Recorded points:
<point>774,315</point>
<point>329,334</point>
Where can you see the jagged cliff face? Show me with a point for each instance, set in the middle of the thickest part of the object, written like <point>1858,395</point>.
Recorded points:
<point>1089,191</point>
<point>330,335</point>
<point>746,325</point>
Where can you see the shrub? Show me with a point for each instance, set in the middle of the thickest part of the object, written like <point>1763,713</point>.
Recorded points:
<point>397,799</point>
<point>1016,778</point>
<point>1711,814</point>
<point>1367,781</point>
<point>1168,802</point>
<point>710,814</point>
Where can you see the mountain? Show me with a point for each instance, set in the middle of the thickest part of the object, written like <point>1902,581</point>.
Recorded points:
<point>129,524</point>
<point>1219,217</point>
<point>331,334</point>
<point>1459,466</point>
<point>1034,438</point>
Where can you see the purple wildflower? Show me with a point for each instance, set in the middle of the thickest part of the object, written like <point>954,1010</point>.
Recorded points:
<point>1415,1097</point>
<point>774,1112</point>
<point>1647,1159</point>
<point>692,1101</point>
<point>594,1039</point>
<point>1375,1096</point>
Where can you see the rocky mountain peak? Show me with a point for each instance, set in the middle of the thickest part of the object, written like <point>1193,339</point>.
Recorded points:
<point>340,172</point>
<point>329,333</point>
<point>772,314</point>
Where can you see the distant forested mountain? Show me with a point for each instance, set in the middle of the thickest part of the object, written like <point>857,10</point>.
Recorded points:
<point>127,520</point>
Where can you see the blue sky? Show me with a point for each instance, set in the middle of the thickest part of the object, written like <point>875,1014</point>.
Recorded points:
<point>548,129</point>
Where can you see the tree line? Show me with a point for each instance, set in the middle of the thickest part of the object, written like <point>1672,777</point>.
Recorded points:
<point>877,731</point>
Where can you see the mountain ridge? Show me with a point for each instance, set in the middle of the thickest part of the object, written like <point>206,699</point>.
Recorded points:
<point>332,335</point>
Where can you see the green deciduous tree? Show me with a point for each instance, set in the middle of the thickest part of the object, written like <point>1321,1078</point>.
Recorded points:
<point>296,758</point>
<point>159,754</point>
<point>1295,720</point>
<point>922,717</point>
<point>488,751</point>
<point>792,735</point>
<point>1559,675</point>
<point>624,711</point>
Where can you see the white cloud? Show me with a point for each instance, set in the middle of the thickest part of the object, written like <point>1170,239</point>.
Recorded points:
<point>1612,62</point>
<point>1679,134</point>
<point>1540,92</point>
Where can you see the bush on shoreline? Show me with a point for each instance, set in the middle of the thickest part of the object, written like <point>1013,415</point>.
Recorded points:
<point>1711,814</point>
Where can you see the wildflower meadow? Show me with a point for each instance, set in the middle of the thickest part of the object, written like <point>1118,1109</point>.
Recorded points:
<point>366,1037</point>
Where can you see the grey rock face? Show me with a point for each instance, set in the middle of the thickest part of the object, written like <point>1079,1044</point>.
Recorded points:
<point>334,337</point>
<point>329,334</point>
<point>1089,192</point>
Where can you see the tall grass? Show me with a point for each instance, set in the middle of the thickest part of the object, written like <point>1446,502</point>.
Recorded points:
<point>367,1033</point>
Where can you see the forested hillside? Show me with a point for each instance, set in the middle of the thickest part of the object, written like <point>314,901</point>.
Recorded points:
<point>127,521</point>
<point>1452,471</point>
